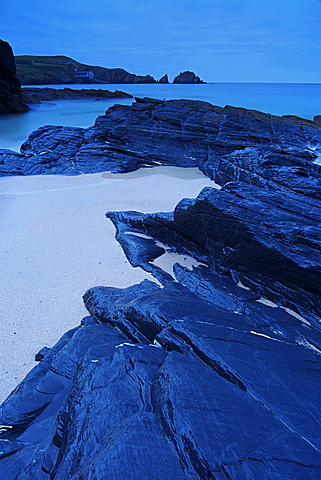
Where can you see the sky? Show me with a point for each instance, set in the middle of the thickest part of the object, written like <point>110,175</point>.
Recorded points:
<point>220,40</point>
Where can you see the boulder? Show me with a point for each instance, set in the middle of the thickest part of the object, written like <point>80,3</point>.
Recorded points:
<point>268,239</point>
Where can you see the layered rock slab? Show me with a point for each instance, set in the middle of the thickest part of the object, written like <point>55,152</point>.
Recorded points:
<point>182,133</point>
<point>192,379</point>
<point>51,419</point>
<point>220,399</point>
<point>269,240</point>
<point>37,95</point>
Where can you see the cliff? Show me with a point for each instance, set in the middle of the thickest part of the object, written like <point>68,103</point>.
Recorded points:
<point>50,70</point>
<point>10,89</point>
<point>210,372</point>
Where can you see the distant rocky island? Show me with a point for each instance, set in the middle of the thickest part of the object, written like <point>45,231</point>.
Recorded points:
<point>51,70</point>
<point>187,77</point>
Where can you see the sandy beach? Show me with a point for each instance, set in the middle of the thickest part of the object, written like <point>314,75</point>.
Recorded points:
<point>56,243</point>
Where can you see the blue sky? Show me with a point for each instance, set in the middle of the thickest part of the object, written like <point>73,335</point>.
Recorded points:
<point>220,40</point>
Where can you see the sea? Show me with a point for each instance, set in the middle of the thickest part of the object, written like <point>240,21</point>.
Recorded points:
<point>301,99</point>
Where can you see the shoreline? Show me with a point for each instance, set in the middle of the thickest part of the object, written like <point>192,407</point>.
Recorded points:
<point>58,243</point>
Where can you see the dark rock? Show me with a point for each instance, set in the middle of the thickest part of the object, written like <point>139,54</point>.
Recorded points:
<point>144,79</point>
<point>89,358</point>
<point>10,89</point>
<point>163,79</point>
<point>317,119</point>
<point>6,57</point>
<point>227,144</point>
<point>36,95</point>
<point>270,240</point>
<point>187,77</point>
<point>199,376</point>
<point>226,394</point>
<point>12,163</point>
<point>41,354</point>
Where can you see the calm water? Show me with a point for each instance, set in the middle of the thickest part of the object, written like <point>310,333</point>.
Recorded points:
<point>303,100</point>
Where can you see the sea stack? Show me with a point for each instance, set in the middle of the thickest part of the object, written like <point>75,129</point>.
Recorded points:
<point>187,77</point>
<point>163,79</point>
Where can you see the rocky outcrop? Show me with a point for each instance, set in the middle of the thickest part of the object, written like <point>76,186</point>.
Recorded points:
<point>36,95</point>
<point>51,70</point>
<point>227,144</point>
<point>163,79</point>
<point>197,379</point>
<point>6,57</point>
<point>187,77</point>
<point>266,238</point>
<point>10,90</point>
<point>210,371</point>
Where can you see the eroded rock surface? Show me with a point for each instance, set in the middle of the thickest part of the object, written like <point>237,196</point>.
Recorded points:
<point>212,371</point>
<point>225,143</point>
<point>162,383</point>
<point>36,95</point>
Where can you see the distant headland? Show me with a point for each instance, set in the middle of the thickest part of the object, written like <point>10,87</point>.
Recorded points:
<point>51,70</point>
<point>46,70</point>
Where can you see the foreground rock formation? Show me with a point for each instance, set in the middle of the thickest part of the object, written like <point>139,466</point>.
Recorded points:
<point>227,143</point>
<point>212,371</point>
<point>10,89</point>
